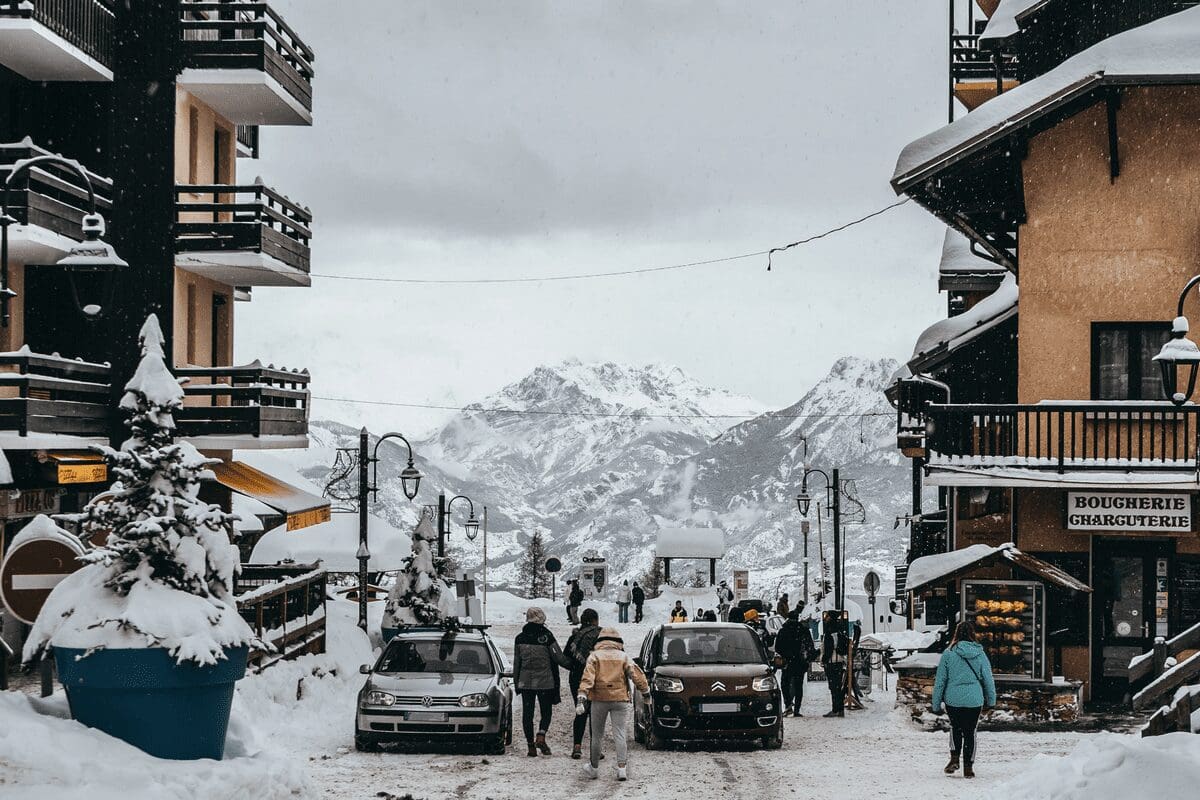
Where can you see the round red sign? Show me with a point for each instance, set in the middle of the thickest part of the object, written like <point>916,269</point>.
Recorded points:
<point>31,569</point>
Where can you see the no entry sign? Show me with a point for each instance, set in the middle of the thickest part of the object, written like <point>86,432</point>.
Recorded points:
<point>32,568</point>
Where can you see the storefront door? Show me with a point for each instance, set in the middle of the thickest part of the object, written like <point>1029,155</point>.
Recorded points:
<point>1124,579</point>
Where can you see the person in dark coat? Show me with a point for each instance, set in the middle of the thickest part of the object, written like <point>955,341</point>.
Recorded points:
<point>578,648</point>
<point>639,600</point>
<point>783,607</point>
<point>536,659</point>
<point>574,601</point>
<point>794,644</point>
<point>835,649</point>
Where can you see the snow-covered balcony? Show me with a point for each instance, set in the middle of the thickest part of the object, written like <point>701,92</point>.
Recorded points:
<point>1137,441</point>
<point>48,205</point>
<point>48,402</point>
<point>242,235</point>
<point>979,73</point>
<point>251,407</point>
<point>244,61</point>
<point>57,40</point>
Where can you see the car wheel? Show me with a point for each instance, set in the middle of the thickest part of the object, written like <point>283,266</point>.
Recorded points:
<point>365,742</point>
<point>774,742</point>
<point>508,728</point>
<point>638,735</point>
<point>650,738</point>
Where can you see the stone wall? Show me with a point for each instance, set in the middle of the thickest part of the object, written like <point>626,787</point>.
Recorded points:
<point>1018,703</point>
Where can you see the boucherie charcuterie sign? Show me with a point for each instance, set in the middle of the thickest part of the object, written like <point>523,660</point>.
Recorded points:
<point>1108,511</point>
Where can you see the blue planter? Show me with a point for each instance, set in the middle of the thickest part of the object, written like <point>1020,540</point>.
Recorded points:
<point>146,699</point>
<point>388,633</point>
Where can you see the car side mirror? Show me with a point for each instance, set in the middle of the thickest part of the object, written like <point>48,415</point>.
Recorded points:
<point>506,673</point>
<point>364,669</point>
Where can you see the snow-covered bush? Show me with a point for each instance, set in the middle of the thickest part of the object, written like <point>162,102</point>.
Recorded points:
<point>164,577</point>
<point>421,595</point>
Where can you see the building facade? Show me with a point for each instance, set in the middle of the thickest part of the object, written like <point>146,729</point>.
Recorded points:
<point>1037,408</point>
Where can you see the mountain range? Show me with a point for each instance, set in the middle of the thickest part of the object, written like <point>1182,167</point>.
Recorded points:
<point>599,456</point>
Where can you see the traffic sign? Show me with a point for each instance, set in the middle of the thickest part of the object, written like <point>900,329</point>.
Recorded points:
<point>553,565</point>
<point>32,568</point>
<point>871,584</point>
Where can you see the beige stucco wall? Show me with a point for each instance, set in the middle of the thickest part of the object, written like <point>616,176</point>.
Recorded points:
<point>199,319</point>
<point>1092,250</point>
<point>209,121</point>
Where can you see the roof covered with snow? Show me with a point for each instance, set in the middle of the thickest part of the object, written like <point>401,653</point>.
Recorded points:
<point>1166,48</point>
<point>335,545</point>
<point>959,259</point>
<point>690,543</point>
<point>945,567</point>
<point>947,335</point>
<point>1004,21</point>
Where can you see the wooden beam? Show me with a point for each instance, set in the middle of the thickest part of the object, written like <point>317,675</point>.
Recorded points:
<point>1112,103</point>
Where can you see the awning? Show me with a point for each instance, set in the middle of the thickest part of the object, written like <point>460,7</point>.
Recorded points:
<point>80,466</point>
<point>946,567</point>
<point>301,508</point>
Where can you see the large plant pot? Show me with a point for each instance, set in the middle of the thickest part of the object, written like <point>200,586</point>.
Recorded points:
<point>387,634</point>
<point>146,699</point>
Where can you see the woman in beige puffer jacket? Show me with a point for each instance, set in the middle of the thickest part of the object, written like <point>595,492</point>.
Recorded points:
<point>605,682</point>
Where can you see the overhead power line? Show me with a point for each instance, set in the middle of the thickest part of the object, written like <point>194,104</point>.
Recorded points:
<point>823,234</point>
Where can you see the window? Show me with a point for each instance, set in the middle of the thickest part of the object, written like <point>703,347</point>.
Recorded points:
<point>445,655</point>
<point>717,646</point>
<point>193,145</point>
<point>1123,366</point>
<point>980,501</point>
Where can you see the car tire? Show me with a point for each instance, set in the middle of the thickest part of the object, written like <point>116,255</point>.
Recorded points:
<point>508,728</point>
<point>774,742</point>
<point>365,742</point>
<point>650,739</point>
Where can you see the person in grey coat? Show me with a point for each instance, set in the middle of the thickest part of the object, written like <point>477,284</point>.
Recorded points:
<point>536,660</point>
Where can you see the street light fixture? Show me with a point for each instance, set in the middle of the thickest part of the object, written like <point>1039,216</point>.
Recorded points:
<point>1179,352</point>
<point>91,265</point>
<point>471,526</point>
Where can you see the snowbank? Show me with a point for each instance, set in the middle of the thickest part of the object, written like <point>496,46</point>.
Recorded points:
<point>335,545</point>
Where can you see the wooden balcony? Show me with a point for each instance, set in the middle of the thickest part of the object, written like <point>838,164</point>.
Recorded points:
<point>242,235</point>
<point>979,74</point>
<point>58,40</point>
<point>48,204</point>
<point>1115,436</point>
<point>247,141</point>
<point>285,605</point>
<point>248,407</point>
<point>47,401</point>
<point>243,60</point>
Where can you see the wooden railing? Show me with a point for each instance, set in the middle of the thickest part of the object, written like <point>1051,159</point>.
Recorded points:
<point>285,605</point>
<point>251,400</point>
<point>1172,664</point>
<point>42,394</point>
<point>1061,436</point>
<point>247,139</point>
<point>969,62</point>
<point>87,24</point>
<point>1177,716</point>
<point>253,218</point>
<point>50,197</point>
<point>247,35</point>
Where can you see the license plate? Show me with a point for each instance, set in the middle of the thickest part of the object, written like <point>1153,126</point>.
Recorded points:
<point>425,716</point>
<point>719,708</point>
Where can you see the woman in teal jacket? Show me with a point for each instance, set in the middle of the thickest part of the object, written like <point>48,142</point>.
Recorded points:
<point>965,685</point>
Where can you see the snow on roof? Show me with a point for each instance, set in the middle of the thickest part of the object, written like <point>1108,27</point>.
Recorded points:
<point>943,567</point>
<point>690,543</point>
<point>1169,46</point>
<point>1003,22</point>
<point>335,545</point>
<point>966,473</point>
<point>958,258</point>
<point>918,661</point>
<point>950,334</point>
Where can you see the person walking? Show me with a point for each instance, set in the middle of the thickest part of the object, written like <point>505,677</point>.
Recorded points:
<point>781,607</point>
<point>679,613</point>
<point>624,598</point>
<point>605,684</point>
<point>699,615</point>
<point>724,601</point>
<point>536,659</point>
<point>835,647</point>
<point>578,648</point>
<point>639,600</point>
<point>574,601</point>
<point>795,646</point>
<point>964,684</point>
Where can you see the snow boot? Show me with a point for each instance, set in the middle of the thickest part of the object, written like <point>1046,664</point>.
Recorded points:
<point>532,750</point>
<point>968,769</point>
<point>577,752</point>
<point>952,767</point>
<point>541,743</point>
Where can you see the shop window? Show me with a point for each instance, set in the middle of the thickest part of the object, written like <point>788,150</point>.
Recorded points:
<point>980,502</point>
<point>1187,590</point>
<point>1067,614</point>
<point>1122,360</point>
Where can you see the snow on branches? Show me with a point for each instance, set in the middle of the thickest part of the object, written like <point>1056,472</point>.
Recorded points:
<point>165,574</point>
<point>422,594</point>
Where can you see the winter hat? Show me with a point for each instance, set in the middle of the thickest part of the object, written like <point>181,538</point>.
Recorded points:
<point>751,615</point>
<point>610,635</point>
<point>535,614</point>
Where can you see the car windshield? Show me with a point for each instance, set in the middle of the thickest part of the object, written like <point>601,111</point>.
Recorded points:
<point>712,646</point>
<point>431,655</point>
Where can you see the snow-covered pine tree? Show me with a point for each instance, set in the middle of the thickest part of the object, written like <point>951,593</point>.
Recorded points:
<point>422,593</point>
<point>531,575</point>
<point>653,578</point>
<point>164,577</point>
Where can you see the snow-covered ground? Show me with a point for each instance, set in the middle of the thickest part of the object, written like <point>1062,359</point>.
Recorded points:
<point>292,737</point>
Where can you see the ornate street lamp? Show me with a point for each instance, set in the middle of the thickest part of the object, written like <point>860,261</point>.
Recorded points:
<point>1179,353</point>
<point>471,526</point>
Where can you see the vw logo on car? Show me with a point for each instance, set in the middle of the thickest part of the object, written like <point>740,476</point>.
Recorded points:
<point>427,701</point>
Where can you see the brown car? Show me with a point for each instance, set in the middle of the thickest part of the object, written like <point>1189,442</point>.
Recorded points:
<point>708,680</point>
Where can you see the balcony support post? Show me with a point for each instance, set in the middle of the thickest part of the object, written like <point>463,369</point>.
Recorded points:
<point>1112,103</point>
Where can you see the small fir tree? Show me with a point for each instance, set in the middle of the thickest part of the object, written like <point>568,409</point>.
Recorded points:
<point>653,578</point>
<point>422,594</point>
<point>532,575</point>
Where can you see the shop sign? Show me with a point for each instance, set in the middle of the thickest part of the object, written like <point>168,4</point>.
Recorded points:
<point>305,519</point>
<point>25,503</point>
<point>82,473</point>
<point>741,584</point>
<point>1109,511</point>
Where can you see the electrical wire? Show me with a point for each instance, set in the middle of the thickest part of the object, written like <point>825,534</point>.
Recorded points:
<point>823,234</point>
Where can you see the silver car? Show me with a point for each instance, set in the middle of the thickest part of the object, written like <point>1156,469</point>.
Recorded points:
<point>432,684</point>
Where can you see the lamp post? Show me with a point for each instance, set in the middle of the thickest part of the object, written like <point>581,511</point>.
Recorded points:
<point>833,492</point>
<point>471,526</point>
<point>1179,351</point>
<point>471,534</point>
<point>93,256</point>
<point>368,483</point>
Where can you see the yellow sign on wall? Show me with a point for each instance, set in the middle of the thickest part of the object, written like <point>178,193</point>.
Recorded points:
<point>304,519</point>
<point>82,473</point>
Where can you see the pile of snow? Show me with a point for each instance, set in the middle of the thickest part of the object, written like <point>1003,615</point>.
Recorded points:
<point>899,640</point>
<point>959,259</point>
<point>1003,22</point>
<point>927,569</point>
<point>335,545</point>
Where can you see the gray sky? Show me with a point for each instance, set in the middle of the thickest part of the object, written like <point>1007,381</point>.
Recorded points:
<point>488,139</point>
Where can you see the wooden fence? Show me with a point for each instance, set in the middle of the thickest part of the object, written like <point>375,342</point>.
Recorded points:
<point>285,605</point>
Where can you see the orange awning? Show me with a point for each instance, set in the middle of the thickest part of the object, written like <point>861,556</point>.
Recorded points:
<point>301,508</point>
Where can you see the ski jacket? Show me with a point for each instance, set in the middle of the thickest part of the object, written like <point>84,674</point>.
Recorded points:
<point>624,594</point>
<point>576,596</point>
<point>608,673</point>
<point>639,595</point>
<point>795,644</point>
<point>579,647</point>
<point>781,608</point>
<point>725,595</point>
<point>536,659</point>
<point>964,678</point>
<point>679,615</point>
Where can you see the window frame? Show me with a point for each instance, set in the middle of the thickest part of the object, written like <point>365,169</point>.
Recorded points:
<point>1134,366</point>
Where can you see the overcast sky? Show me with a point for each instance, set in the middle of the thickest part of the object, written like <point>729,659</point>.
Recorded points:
<point>494,139</point>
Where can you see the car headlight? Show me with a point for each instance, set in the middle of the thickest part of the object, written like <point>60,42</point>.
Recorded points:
<point>377,698</point>
<point>766,683</point>
<point>665,683</point>
<point>474,701</point>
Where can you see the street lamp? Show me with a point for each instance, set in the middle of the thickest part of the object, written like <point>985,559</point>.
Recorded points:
<point>471,534</point>
<point>91,265</point>
<point>368,484</point>
<point>1179,352</point>
<point>833,486</point>
<point>471,526</point>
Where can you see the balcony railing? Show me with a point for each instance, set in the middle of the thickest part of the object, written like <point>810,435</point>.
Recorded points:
<point>247,35</point>
<point>219,218</point>
<point>247,141</point>
<point>248,401</point>
<point>41,394</point>
<point>87,24</point>
<point>47,197</point>
<point>1065,436</point>
<point>970,62</point>
<point>285,605</point>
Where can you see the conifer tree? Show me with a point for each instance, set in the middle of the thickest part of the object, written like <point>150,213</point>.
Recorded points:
<point>422,594</point>
<point>532,576</point>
